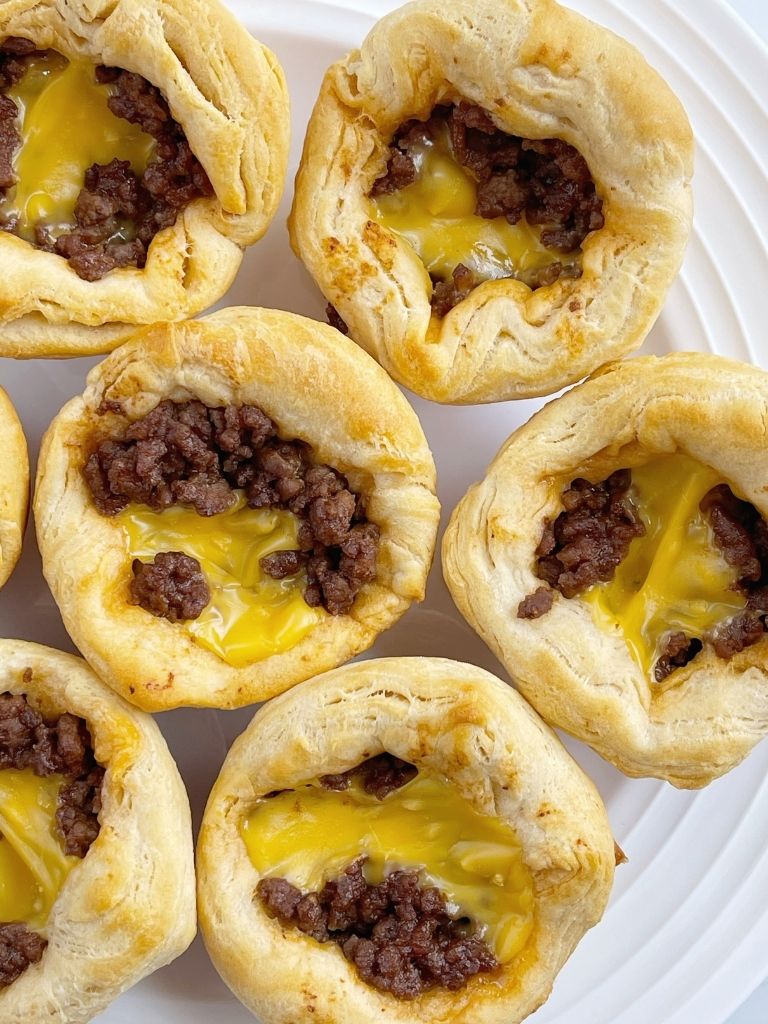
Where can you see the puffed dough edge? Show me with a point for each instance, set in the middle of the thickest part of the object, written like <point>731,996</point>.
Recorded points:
<point>443,716</point>
<point>129,907</point>
<point>542,71</point>
<point>229,94</point>
<point>706,717</point>
<point>316,385</point>
<point>14,487</point>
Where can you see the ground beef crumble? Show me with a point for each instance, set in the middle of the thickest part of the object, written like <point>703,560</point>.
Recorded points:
<point>741,533</point>
<point>380,776</point>
<point>398,934</point>
<point>591,536</point>
<point>172,586</point>
<point>13,64</point>
<point>677,651</point>
<point>117,213</point>
<point>59,746</point>
<point>546,180</point>
<point>447,294</point>
<point>187,453</point>
<point>536,604</point>
<point>19,949</point>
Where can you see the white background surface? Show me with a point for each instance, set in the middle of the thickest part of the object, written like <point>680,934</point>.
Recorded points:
<point>669,916</point>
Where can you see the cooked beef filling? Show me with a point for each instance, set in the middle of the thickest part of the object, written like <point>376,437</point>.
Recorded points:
<point>113,196</point>
<point>49,747</point>
<point>334,319</point>
<point>60,746</point>
<point>172,586</point>
<point>592,535</point>
<point>398,934</point>
<point>536,604</point>
<point>380,776</point>
<point>741,533</point>
<point>447,294</point>
<point>186,453</point>
<point>19,949</point>
<point>12,66</point>
<point>678,650</point>
<point>545,180</point>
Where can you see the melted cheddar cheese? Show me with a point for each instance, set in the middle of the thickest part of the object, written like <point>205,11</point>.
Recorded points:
<point>33,865</point>
<point>66,126</point>
<point>250,616</point>
<point>436,214</point>
<point>311,834</point>
<point>674,578</point>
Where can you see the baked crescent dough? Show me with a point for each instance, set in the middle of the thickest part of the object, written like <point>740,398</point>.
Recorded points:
<point>128,908</point>
<point>315,385</point>
<point>14,487</point>
<point>706,716</point>
<point>541,71</point>
<point>233,106</point>
<point>459,721</point>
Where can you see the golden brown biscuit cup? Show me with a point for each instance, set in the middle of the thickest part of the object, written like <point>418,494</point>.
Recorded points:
<point>14,487</point>
<point>540,71</point>
<point>128,907</point>
<point>576,666</point>
<point>458,723</point>
<point>233,109</point>
<point>317,387</point>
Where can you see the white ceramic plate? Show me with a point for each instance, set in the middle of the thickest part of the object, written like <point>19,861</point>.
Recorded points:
<point>686,937</point>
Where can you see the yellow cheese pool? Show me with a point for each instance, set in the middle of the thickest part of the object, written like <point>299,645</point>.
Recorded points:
<point>33,865</point>
<point>675,577</point>
<point>436,214</point>
<point>250,616</point>
<point>311,834</point>
<point>66,126</point>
